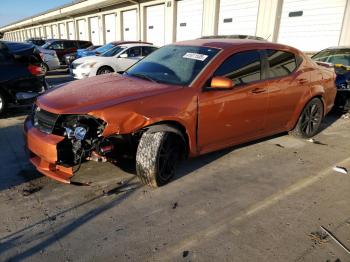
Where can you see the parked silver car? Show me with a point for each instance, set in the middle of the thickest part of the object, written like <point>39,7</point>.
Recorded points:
<point>50,60</point>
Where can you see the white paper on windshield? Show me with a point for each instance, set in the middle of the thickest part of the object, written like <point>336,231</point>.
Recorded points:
<point>195,56</point>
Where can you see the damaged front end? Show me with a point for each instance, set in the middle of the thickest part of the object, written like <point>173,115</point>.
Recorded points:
<point>58,144</point>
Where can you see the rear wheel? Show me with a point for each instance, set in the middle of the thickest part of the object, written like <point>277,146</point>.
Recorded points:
<point>104,70</point>
<point>157,157</point>
<point>310,119</point>
<point>3,104</point>
<point>44,68</point>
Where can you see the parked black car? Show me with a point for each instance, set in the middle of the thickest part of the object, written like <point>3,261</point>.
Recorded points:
<point>21,77</point>
<point>339,57</point>
<point>36,41</point>
<point>63,47</point>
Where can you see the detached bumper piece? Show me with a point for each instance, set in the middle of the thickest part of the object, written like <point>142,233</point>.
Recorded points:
<point>43,153</point>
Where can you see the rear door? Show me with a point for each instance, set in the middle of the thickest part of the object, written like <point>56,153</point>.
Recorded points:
<point>233,116</point>
<point>286,86</point>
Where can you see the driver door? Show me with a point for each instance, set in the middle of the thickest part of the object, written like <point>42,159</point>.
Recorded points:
<point>228,117</point>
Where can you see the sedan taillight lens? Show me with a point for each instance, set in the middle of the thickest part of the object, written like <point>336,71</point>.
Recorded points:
<point>35,70</point>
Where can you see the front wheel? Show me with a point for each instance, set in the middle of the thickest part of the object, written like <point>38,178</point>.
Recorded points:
<point>104,70</point>
<point>157,157</point>
<point>310,119</point>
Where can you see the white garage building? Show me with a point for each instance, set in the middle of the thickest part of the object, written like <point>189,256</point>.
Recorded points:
<point>309,25</point>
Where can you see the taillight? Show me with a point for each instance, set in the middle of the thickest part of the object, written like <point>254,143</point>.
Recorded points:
<point>35,70</point>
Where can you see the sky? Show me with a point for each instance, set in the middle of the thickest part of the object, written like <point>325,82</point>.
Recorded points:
<point>13,10</point>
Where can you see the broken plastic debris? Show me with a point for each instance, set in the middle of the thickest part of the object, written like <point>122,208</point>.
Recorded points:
<point>311,140</point>
<point>340,169</point>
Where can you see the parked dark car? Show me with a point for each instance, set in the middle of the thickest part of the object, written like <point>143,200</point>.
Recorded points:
<point>36,41</point>
<point>339,57</point>
<point>69,58</point>
<point>63,47</point>
<point>21,77</point>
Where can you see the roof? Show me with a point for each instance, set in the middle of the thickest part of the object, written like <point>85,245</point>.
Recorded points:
<point>232,43</point>
<point>337,47</point>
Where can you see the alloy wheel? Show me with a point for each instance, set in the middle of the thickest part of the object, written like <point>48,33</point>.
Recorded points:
<point>311,119</point>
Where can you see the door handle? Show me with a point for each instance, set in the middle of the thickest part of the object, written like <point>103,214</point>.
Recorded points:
<point>258,90</point>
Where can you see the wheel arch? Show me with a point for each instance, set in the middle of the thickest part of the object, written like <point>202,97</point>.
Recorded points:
<point>104,66</point>
<point>172,127</point>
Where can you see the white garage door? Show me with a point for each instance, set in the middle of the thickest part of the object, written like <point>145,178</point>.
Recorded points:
<point>71,31</point>
<point>42,32</point>
<point>81,30</point>
<point>32,32</point>
<point>55,32</point>
<point>311,25</point>
<point>63,31</point>
<point>48,32</point>
<point>155,24</point>
<point>130,25</point>
<point>95,30</point>
<point>189,19</point>
<point>110,26</point>
<point>238,17</point>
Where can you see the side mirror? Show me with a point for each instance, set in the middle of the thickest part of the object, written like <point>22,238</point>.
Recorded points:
<point>221,83</point>
<point>125,55</point>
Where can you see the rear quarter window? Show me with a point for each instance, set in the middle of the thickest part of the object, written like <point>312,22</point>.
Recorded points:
<point>281,63</point>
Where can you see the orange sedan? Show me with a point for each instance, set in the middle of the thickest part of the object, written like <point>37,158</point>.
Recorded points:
<point>183,100</point>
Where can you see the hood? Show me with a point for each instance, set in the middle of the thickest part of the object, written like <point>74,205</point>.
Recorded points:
<point>84,59</point>
<point>87,95</point>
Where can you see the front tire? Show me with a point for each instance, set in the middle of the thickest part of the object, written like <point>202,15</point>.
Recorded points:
<point>310,119</point>
<point>104,70</point>
<point>157,157</point>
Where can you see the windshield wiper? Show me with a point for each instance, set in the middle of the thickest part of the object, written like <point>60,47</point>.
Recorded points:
<point>146,77</point>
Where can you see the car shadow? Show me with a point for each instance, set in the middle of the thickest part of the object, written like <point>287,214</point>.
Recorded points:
<point>17,111</point>
<point>330,119</point>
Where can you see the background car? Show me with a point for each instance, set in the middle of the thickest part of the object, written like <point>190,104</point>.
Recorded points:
<point>21,77</point>
<point>117,59</point>
<point>69,58</point>
<point>105,48</point>
<point>36,41</point>
<point>63,47</point>
<point>340,58</point>
<point>50,60</point>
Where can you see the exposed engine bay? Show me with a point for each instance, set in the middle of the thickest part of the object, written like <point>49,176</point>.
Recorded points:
<point>83,139</point>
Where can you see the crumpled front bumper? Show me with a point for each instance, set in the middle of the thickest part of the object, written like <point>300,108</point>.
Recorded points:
<point>42,149</point>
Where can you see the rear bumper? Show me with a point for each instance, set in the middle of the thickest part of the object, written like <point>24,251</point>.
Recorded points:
<point>42,149</point>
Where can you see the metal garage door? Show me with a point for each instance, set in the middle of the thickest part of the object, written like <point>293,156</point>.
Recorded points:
<point>55,31</point>
<point>130,25</point>
<point>81,30</point>
<point>41,32</point>
<point>155,24</point>
<point>189,19</point>
<point>238,17</point>
<point>63,31</point>
<point>110,26</point>
<point>311,25</point>
<point>32,31</point>
<point>94,30</point>
<point>71,31</point>
<point>48,32</point>
<point>37,32</point>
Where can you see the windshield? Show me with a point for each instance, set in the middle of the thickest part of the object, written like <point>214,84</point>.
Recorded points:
<point>105,48</point>
<point>174,64</point>
<point>113,51</point>
<point>46,45</point>
<point>338,56</point>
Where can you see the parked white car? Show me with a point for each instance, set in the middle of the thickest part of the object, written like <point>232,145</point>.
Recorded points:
<point>50,60</point>
<point>116,59</point>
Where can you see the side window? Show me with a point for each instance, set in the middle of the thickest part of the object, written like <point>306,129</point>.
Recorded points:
<point>134,52</point>
<point>281,63</point>
<point>146,50</point>
<point>57,45</point>
<point>69,44</point>
<point>242,68</point>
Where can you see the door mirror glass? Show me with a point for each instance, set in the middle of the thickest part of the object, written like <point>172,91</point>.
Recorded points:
<point>221,82</point>
<point>125,55</point>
